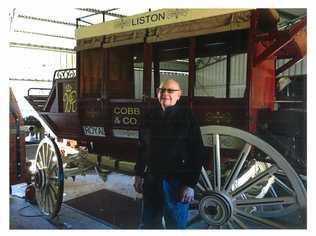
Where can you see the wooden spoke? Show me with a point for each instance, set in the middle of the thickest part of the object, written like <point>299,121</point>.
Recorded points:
<point>40,159</point>
<point>200,187</point>
<point>50,161</point>
<point>206,179</point>
<point>195,219</point>
<point>238,165</point>
<point>239,222</point>
<point>258,220</point>
<point>216,162</point>
<point>284,186</point>
<point>43,155</point>
<point>265,201</point>
<point>230,225</point>
<point>250,183</point>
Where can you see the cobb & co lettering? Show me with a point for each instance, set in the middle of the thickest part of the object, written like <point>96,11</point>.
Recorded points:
<point>94,131</point>
<point>125,115</point>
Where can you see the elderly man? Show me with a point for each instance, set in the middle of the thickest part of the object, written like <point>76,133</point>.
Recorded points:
<point>170,160</point>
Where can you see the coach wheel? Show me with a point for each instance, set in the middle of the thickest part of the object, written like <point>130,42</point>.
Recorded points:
<point>49,177</point>
<point>256,188</point>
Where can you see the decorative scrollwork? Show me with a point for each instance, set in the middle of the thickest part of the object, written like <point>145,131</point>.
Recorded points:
<point>123,23</point>
<point>223,118</point>
<point>176,13</point>
<point>69,99</point>
<point>65,74</point>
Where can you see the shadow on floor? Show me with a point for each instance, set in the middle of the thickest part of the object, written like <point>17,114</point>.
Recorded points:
<point>118,210</point>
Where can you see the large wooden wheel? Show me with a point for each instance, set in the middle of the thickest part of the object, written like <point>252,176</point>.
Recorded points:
<point>246,183</point>
<point>49,177</point>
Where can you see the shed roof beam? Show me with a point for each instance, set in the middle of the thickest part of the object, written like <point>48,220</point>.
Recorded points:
<point>40,47</point>
<point>44,34</point>
<point>46,20</point>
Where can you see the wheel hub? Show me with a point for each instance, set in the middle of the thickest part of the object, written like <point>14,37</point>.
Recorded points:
<point>40,178</point>
<point>215,208</point>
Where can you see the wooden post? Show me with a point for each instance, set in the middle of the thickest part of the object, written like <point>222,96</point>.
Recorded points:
<point>228,76</point>
<point>156,69</point>
<point>260,77</point>
<point>192,72</point>
<point>147,70</point>
<point>251,53</point>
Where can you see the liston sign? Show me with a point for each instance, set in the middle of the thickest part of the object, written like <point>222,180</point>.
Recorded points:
<point>148,20</point>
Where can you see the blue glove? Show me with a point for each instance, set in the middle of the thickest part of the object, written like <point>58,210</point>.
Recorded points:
<point>187,194</point>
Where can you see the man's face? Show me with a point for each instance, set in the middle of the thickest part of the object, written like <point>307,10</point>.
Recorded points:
<point>168,93</point>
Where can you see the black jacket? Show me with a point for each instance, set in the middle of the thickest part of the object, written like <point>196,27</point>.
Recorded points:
<point>171,144</point>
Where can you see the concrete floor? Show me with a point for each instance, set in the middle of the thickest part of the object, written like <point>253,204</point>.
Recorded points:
<point>91,182</point>
<point>23,215</point>
<point>21,211</point>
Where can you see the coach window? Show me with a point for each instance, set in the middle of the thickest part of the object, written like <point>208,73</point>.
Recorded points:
<point>221,66</point>
<point>173,62</point>
<point>125,71</point>
<point>138,67</point>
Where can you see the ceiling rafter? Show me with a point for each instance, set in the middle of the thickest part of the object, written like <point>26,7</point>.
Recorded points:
<point>41,47</point>
<point>46,20</point>
<point>44,34</point>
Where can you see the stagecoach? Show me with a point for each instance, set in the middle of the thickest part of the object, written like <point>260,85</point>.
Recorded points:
<point>225,61</point>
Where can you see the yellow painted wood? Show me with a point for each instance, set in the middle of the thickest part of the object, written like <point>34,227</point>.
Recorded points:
<point>148,20</point>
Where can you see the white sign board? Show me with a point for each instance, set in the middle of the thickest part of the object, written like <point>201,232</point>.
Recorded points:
<point>122,133</point>
<point>94,131</point>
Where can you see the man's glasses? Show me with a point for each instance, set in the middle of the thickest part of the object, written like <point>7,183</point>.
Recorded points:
<point>163,90</point>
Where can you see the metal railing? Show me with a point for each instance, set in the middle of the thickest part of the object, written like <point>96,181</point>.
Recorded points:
<point>37,89</point>
<point>96,12</point>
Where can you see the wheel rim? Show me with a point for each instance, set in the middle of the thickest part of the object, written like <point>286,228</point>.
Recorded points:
<point>49,177</point>
<point>258,187</point>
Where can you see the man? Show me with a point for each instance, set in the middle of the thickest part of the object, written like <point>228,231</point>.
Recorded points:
<point>31,138</point>
<point>170,160</point>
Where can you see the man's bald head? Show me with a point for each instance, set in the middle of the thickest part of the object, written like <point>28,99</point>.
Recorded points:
<point>169,92</point>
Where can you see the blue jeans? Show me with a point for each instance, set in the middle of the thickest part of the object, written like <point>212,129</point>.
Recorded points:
<point>162,199</point>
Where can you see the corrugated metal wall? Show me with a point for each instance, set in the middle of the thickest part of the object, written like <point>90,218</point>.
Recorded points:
<point>38,64</point>
<point>300,68</point>
<point>211,80</point>
<point>238,69</point>
<point>182,79</point>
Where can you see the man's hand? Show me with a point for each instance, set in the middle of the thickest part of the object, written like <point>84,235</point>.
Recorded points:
<point>187,194</point>
<point>138,184</point>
